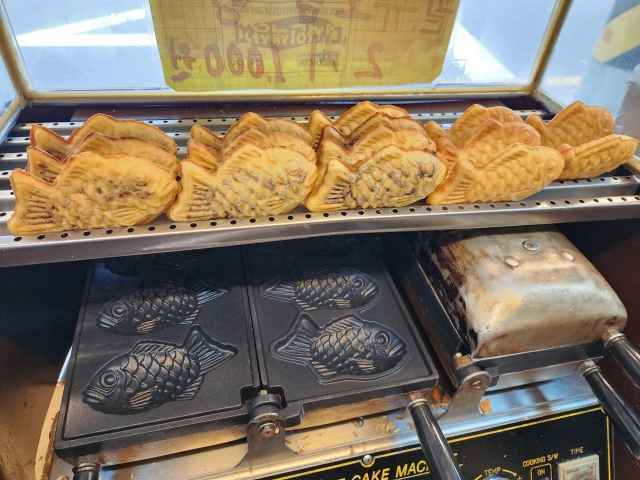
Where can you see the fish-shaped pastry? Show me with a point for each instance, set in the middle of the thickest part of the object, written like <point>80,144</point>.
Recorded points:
<point>584,135</point>
<point>250,120</point>
<point>202,155</point>
<point>488,140</point>
<point>329,132</point>
<point>469,121</point>
<point>515,173</point>
<point>154,373</point>
<point>374,140</point>
<point>596,157</point>
<point>92,192</point>
<point>166,263</point>
<point>157,305</point>
<point>250,182</point>
<point>47,167</point>
<point>52,143</point>
<point>346,348</point>
<point>350,119</point>
<point>206,137</point>
<point>393,177</point>
<point>270,139</point>
<point>574,125</point>
<point>331,287</point>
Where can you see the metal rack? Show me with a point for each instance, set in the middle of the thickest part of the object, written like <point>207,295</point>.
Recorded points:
<point>603,198</point>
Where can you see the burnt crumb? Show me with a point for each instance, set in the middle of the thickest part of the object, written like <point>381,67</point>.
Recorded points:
<point>98,190</point>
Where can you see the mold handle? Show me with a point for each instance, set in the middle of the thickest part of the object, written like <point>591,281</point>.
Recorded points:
<point>627,356</point>
<point>440,458</point>
<point>620,414</point>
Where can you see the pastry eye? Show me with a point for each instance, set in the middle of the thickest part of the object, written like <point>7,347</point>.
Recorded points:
<point>357,282</point>
<point>108,379</point>
<point>118,310</point>
<point>382,339</point>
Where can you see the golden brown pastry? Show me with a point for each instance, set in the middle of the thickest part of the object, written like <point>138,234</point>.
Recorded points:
<point>515,173</point>
<point>250,182</point>
<point>203,156</point>
<point>584,135</point>
<point>574,125</point>
<point>393,177</point>
<point>487,141</point>
<point>271,139</point>
<point>47,167</point>
<point>350,119</point>
<point>329,132</point>
<point>52,143</point>
<point>373,141</point>
<point>597,156</point>
<point>469,121</point>
<point>92,192</point>
<point>206,137</point>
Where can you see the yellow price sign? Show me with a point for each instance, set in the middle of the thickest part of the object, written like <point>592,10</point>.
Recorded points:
<point>208,45</point>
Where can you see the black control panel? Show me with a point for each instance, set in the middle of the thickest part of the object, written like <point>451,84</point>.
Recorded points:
<point>572,446</point>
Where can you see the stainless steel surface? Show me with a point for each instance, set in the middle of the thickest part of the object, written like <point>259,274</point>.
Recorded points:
<point>593,199</point>
<point>519,290</point>
<point>349,440</point>
<point>464,403</point>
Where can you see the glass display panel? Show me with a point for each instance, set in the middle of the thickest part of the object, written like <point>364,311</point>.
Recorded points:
<point>595,54</point>
<point>7,92</point>
<point>114,45</point>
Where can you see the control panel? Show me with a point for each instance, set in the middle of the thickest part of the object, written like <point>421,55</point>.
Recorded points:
<point>572,446</point>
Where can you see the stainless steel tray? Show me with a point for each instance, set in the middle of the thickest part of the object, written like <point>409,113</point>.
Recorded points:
<point>603,198</point>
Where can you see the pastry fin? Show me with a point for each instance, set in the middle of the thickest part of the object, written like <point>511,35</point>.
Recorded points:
<point>206,137</point>
<point>203,156</point>
<point>434,130</point>
<point>43,165</point>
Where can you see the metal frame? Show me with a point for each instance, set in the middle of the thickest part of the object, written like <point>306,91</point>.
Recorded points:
<point>19,73</point>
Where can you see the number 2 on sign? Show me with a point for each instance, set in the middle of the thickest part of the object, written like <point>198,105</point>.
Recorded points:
<point>377,73</point>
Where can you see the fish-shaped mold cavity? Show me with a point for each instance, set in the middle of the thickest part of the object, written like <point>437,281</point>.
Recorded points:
<point>153,264</point>
<point>515,173</point>
<point>330,287</point>
<point>347,348</point>
<point>92,192</point>
<point>47,167</point>
<point>574,125</point>
<point>370,143</point>
<point>52,143</point>
<point>154,373</point>
<point>321,248</point>
<point>393,177</point>
<point>350,119</point>
<point>469,121</point>
<point>156,305</point>
<point>329,132</point>
<point>251,182</point>
<point>250,120</point>
<point>488,140</point>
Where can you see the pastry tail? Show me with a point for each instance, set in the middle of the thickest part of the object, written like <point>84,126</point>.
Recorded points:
<point>50,142</point>
<point>333,191</point>
<point>33,205</point>
<point>434,130</point>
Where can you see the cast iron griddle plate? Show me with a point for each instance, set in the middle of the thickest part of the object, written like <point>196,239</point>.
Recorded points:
<point>219,340</point>
<point>330,326</point>
<point>414,271</point>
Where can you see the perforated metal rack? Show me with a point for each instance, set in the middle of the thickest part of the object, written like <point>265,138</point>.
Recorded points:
<point>603,198</point>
